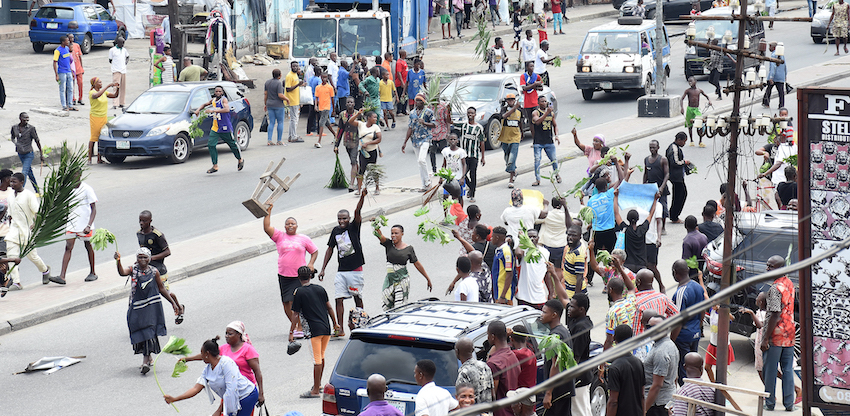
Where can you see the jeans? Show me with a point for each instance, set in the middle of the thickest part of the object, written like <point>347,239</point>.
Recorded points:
<point>436,148</point>
<point>66,89</point>
<point>422,159</point>
<point>471,176</point>
<point>458,21</point>
<point>494,13</point>
<point>26,168</point>
<point>248,403</point>
<point>558,23</point>
<point>813,7</point>
<point>783,357</point>
<point>511,150</point>
<point>714,79</point>
<point>680,194</point>
<point>780,89</point>
<point>276,123</point>
<point>294,114</point>
<point>550,153</point>
<point>684,348</point>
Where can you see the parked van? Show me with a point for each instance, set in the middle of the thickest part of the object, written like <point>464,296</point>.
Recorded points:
<point>620,56</point>
<point>696,58</point>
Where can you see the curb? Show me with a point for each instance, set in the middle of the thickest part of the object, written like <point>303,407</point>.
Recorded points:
<point>18,34</point>
<point>257,250</point>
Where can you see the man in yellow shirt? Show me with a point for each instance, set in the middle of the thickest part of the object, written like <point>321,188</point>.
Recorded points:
<point>292,83</point>
<point>388,96</point>
<point>511,135</point>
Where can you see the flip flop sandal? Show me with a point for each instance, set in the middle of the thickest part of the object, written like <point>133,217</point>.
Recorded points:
<point>212,170</point>
<point>145,368</point>
<point>179,319</point>
<point>309,395</point>
<point>240,165</point>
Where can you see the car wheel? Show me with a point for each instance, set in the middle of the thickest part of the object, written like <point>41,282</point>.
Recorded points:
<point>587,94</point>
<point>115,160</point>
<point>181,149</point>
<point>87,42</point>
<point>817,39</point>
<point>243,135</point>
<point>38,47</point>
<point>494,129</point>
<point>647,87</point>
<point>598,398</point>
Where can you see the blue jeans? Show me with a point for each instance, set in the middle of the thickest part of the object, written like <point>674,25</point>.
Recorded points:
<point>558,23</point>
<point>550,153</point>
<point>784,358</point>
<point>813,7</point>
<point>684,348</point>
<point>511,150</point>
<point>458,21</point>
<point>276,116</point>
<point>66,89</point>
<point>494,13</point>
<point>26,169</point>
<point>248,403</point>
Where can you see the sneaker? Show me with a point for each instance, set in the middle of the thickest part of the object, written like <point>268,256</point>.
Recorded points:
<point>318,145</point>
<point>393,125</point>
<point>45,277</point>
<point>15,286</point>
<point>58,280</point>
<point>91,277</point>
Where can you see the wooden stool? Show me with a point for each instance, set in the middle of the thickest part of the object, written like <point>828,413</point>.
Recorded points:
<point>272,181</point>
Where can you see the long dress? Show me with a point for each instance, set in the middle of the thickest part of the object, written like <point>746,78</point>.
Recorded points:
<point>145,318</point>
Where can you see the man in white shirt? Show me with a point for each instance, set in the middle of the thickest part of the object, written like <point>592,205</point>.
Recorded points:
<point>80,225</point>
<point>541,58</point>
<point>517,212</point>
<point>498,57</point>
<point>22,208</point>
<point>527,48</point>
<point>119,57</point>
<point>533,286</point>
<point>431,400</point>
<point>333,68</point>
<point>467,286</point>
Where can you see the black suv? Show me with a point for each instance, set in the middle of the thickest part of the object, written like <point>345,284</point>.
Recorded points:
<point>757,237</point>
<point>394,341</point>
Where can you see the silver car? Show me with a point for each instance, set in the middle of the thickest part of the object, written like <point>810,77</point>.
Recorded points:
<point>820,20</point>
<point>487,92</point>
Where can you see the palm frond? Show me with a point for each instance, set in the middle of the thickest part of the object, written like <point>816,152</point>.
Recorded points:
<point>433,87</point>
<point>483,35</point>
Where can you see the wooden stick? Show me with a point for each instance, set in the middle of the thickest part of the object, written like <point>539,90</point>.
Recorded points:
<point>748,54</point>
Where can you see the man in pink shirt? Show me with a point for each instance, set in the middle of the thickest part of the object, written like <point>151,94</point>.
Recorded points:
<point>291,248</point>
<point>77,55</point>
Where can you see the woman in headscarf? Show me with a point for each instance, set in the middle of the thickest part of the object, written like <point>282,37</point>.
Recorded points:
<point>593,153</point>
<point>222,377</point>
<point>99,100</point>
<point>396,285</point>
<point>242,352</point>
<point>144,315</point>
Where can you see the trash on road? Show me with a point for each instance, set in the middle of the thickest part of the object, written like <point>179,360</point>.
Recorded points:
<point>51,365</point>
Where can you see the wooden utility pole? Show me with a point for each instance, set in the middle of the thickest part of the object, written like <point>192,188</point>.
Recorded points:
<point>178,49</point>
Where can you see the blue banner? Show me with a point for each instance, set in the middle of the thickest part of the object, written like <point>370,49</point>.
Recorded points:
<point>637,196</point>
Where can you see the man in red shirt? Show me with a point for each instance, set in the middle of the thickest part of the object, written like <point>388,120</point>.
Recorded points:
<point>530,84</point>
<point>648,298</point>
<point>77,54</point>
<point>400,77</point>
<point>503,364</point>
<point>779,336</point>
<point>526,358</point>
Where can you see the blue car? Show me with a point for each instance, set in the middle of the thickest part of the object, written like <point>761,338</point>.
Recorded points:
<point>90,24</point>
<point>157,122</point>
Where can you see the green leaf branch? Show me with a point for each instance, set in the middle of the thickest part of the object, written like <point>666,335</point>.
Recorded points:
<point>175,346</point>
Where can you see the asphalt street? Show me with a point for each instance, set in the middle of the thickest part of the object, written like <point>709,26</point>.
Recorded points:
<point>186,202</point>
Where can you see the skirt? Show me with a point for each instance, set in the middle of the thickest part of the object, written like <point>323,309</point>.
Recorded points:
<point>147,347</point>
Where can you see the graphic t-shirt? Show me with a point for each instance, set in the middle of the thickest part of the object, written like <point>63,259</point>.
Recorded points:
<point>454,159</point>
<point>526,48</point>
<point>62,57</point>
<point>602,205</point>
<point>347,243</point>
<point>290,252</point>
<point>415,81</point>
<point>156,243</point>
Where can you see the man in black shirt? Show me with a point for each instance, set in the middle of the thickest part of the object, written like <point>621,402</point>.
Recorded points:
<point>154,240</point>
<point>556,401</point>
<point>708,227</point>
<point>625,381</point>
<point>677,165</point>
<point>580,325</point>
<point>311,307</point>
<point>349,277</point>
<point>635,234</point>
<point>545,130</point>
<point>657,170</point>
<point>786,191</point>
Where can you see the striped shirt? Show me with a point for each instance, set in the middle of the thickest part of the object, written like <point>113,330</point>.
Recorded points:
<point>655,300</point>
<point>693,391</point>
<point>471,136</point>
<point>573,267</point>
<point>622,312</point>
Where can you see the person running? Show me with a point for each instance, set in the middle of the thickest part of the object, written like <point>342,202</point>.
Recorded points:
<point>388,98</point>
<point>154,240</point>
<point>291,248</point>
<point>221,129</point>
<point>324,106</point>
<point>419,132</point>
<point>99,99</point>
<point>222,376</point>
<point>144,315</point>
<point>692,94</point>
<point>242,352</point>
<point>311,305</point>
<point>396,285</point>
<point>472,141</point>
<point>23,135</point>
<point>545,137</point>
<point>345,237</point>
<point>22,211</point>
<point>80,226</point>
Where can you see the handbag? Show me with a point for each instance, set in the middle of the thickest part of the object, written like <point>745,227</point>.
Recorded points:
<point>264,125</point>
<point>306,94</point>
<point>263,410</point>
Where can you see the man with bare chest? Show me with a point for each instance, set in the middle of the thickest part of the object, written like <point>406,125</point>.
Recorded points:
<point>693,112</point>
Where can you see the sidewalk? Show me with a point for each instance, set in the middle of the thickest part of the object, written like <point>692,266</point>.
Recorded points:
<point>39,303</point>
<point>14,31</point>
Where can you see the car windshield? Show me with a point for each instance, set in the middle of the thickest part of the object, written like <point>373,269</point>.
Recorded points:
<point>828,5</point>
<point>159,102</point>
<point>395,360</point>
<point>360,35</point>
<point>473,90</point>
<point>720,28</point>
<point>760,245</point>
<point>55,13</point>
<point>606,43</point>
<point>313,37</point>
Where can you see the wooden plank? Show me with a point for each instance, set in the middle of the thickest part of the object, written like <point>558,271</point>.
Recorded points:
<point>709,405</point>
<point>726,387</point>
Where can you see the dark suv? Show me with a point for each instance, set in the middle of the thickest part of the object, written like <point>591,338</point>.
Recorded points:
<point>757,237</point>
<point>393,342</point>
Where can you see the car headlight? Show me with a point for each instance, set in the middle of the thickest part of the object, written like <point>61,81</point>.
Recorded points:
<point>104,131</point>
<point>629,69</point>
<point>156,131</point>
<point>692,50</point>
<point>585,69</point>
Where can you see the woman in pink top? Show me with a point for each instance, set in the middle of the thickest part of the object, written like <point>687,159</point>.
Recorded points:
<point>240,349</point>
<point>593,153</point>
<point>291,248</point>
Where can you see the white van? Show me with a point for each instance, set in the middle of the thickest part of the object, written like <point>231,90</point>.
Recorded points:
<point>620,56</point>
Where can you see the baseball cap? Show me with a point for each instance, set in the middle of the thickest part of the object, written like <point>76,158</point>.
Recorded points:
<point>510,95</point>
<point>528,401</point>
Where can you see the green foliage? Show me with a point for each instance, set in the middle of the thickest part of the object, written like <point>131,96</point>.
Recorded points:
<point>374,174</point>
<point>619,152</point>
<point>102,238</point>
<point>554,347</point>
<point>422,211</point>
<point>556,62</point>
<point>179,368</point>
<point>532,253</point>
<point>585,214</point>
<point>338,179</point>
<point>378,222</point>
<point>576,119</point>
<point>791,160</point>
<point>765,167</point>
<point>483,35</point>
<point>46,151</point>
<point>432,231</point>
<point>603,257</point>
<point>175,346</point>
<point>692,262</point>
<point>576,190</point>
<point>693,170</point>
<point>195,131</point>
<point>445,173</point>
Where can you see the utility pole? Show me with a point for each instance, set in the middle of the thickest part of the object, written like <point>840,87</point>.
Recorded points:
<point>660,75</point>
<point>178,49</point>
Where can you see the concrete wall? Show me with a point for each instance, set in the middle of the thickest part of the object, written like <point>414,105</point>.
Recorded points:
<point>275,28</point>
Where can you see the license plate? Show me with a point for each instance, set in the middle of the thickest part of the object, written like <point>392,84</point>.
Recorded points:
<point>398,405</point>
<point>122,145</point>
<point>605,85</point>
<point>52,25</point>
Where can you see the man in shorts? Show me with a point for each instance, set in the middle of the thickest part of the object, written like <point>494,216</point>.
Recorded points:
<point>349,277</point>
<point>693,93</point>
<point>310,305</point>
<point>80,226</point>
<point>154,240</point>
